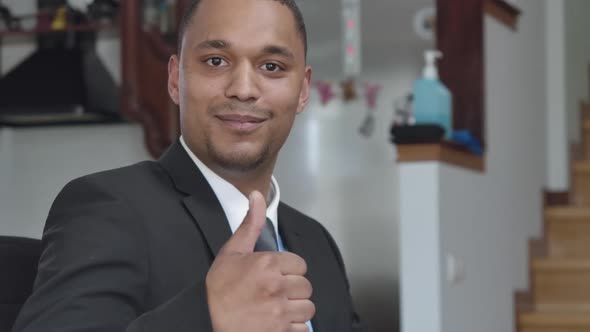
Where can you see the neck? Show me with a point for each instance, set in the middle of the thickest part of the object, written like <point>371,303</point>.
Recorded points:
<point>247,182</point>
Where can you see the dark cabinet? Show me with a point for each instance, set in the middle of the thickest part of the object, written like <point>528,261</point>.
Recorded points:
<point>148,39</point>
<point>147,30</point>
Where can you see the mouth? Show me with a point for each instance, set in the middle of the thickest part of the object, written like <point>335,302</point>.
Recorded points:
<point>243,123</point>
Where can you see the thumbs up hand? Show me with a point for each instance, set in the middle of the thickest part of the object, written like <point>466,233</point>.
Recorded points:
<point>252,291</point>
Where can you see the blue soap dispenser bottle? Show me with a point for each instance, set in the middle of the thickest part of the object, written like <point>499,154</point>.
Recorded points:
<point>432,100</point>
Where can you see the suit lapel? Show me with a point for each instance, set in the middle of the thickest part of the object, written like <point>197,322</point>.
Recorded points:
<point>206,211</point>
<point>201,201</point>
<point>298,240</point>
<point>211,221</point>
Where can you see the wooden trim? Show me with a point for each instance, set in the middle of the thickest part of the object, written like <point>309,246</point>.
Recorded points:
<point>576,152</point>
<point>585,110</point>
<point>554,198</point>
<point>575,213</point>
<point>158,46</point>
<point>445,153</point>
<point>503,11</point>
<point>144,95</point>
<point>579,150</point>
<point>584,114</point>
<point>581,167</point>
<point>460,37</point>
<point>130,38</point>
<point>68,29</point>
<point>524,300</point>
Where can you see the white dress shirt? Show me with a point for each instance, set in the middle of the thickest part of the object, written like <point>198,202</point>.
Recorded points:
<point>235,204</point>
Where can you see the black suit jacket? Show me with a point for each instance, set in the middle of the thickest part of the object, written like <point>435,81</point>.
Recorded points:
<point>129,250</point>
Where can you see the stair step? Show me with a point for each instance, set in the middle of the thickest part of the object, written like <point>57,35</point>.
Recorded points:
<point>561,265</point>
<point>567,308</point>
<point>568,213</point>
<point>585,145</point>
<point>568,231</point>
<point>548,320</point>
<point>561,282</point>
<point>581,183</point>
<point>582,167</point>
<point>585,109</point>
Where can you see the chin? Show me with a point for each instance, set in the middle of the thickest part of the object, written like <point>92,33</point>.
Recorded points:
<point>239,164</point>
<point>240,161</point>
<point>238,156</point>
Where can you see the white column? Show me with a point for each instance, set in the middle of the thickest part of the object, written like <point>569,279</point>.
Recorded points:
<point>557,137</point>
<point>420,266</point>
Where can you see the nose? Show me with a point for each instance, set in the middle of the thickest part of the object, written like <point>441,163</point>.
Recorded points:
<point>243,85</point>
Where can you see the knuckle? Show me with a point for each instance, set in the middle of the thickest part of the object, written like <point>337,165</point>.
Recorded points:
<point>272,286</point>
<point>298,262</point>
<point>267,261</point>
<point>278,311</point>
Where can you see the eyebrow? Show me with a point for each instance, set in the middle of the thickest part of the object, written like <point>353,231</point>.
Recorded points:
<point>279,50</point>
<point>215,43</point>
<point>269,49</point>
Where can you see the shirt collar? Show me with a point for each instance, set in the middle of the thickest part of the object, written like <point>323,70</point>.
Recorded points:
<point>233,202</point>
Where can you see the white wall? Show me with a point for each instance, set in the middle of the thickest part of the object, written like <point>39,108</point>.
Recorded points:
<point>35,163</point>
<point>578,60</point>
<point>484,219</point>
<point>420,263</point>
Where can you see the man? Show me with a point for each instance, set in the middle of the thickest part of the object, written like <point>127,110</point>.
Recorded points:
<point>150,247</point>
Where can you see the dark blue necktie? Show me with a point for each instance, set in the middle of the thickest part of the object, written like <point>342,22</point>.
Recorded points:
<point>268,238</point>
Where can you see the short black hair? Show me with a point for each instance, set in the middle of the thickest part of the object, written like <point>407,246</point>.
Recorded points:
<point>291,4</point>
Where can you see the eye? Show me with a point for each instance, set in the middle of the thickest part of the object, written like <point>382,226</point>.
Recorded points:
<point>215,62</point>
<point>271,67</point>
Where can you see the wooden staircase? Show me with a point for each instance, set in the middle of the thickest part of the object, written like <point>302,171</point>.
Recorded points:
<point>559,300</point>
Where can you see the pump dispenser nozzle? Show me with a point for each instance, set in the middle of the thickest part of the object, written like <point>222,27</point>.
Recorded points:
<point>430,71</point>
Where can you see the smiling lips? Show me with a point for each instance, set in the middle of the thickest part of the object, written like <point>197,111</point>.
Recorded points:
<point>242,123</point>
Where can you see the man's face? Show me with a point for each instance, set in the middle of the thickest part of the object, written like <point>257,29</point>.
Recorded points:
<point>240,81</point>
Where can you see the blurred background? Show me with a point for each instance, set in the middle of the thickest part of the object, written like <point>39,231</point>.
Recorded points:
<point>83,89</point>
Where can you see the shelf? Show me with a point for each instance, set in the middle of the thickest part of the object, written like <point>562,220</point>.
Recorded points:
<point>76,28</point>
<point>503,11</point>
<point>57,119</point>
<point>443,152</point>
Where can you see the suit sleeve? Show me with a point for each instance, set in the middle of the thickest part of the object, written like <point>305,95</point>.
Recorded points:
<point>356,323</point>
<point>93,275</point>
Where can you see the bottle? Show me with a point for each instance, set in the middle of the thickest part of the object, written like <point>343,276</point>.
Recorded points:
<point>432,100</point>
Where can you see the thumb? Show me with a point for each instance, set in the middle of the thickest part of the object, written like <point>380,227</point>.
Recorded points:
<point>245,237</point>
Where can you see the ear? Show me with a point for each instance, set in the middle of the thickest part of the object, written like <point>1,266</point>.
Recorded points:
<point>173,78</point>
<point>305,90</point>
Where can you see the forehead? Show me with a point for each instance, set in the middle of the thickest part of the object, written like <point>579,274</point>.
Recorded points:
<point>245,23</point>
